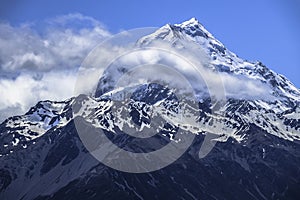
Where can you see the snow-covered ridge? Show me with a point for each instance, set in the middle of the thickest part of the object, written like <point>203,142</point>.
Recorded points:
<point>230,122</point>
<point>222,59</point>
<point>280,117</point>
<point>40,118</point>
<point>19,130</point>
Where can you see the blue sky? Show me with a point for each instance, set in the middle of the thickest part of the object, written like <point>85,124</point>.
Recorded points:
<point>255,30</point>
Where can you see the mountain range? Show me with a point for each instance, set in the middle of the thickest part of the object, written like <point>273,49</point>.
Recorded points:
<point>256,157</point>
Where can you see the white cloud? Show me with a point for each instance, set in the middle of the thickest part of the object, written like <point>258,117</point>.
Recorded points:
<point>26,89</point>
<point>190,61</point>
<point>39,61</point>
<point>38,65</point>
<point>58,45</point>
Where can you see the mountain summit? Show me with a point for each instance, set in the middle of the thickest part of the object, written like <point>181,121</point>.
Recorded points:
<point>256,157</point>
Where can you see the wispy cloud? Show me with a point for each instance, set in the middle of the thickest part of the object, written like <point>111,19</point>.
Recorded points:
<point>187,59</point>
<point>58,45</point>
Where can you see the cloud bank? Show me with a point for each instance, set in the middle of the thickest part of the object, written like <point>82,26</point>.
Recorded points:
<point>39,61</point>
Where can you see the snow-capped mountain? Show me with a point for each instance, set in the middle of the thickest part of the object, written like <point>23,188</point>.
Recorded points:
<point>257,154</point>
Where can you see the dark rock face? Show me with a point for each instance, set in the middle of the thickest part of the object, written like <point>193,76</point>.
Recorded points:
<point>58,166</point>
<point>230,171</point>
